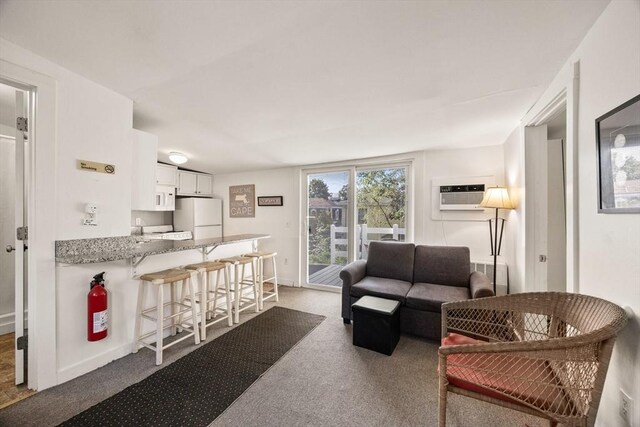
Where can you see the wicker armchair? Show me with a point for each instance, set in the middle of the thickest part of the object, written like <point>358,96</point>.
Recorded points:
<point>544,354</point>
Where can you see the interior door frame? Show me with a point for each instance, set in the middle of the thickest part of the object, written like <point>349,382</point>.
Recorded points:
<point>564,96</point>
<point>41,198</point>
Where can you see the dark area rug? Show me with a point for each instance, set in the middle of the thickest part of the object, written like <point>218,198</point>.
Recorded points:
<point>197,388</point>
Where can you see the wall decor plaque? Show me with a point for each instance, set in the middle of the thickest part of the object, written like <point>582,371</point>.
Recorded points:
<point>90,166</point>
<point>242,201</point>
<point>270,200</point>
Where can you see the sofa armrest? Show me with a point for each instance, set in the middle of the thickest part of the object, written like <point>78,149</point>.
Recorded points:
<point>350,275</point>
<point>480,285</point>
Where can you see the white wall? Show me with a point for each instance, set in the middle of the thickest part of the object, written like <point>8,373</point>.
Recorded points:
<point>608,244</point>
<point>281,222</point>
<point>481,161</point>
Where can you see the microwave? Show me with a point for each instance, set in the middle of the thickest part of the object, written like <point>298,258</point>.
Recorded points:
<point>165,199</point>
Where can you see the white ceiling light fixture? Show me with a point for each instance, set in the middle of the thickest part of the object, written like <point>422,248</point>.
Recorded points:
<point>177,158</point>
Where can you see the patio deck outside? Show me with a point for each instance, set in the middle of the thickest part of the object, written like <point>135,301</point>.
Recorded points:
<point>329,275</point>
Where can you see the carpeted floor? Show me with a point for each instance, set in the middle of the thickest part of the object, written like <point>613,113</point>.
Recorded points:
<point>322,381</point>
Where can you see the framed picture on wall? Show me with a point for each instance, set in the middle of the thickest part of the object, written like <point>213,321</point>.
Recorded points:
<point>242,201</point>
<point>270,201</point>
<point>618,145</point>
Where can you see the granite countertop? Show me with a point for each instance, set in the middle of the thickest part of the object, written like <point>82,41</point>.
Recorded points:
<point>86,251</point>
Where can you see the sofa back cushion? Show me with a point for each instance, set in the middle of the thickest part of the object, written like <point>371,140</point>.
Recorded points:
<point>391,260</point>
<point>442,265</point>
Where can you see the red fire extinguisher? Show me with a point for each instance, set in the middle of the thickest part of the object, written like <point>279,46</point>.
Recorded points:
<point>97,309</point>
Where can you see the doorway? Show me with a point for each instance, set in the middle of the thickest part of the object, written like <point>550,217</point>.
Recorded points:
<point>346,209</point>
<point>14,104</point>
<point>545,165</point>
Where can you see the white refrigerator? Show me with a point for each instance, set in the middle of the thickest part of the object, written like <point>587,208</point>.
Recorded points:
<point>203,217</point>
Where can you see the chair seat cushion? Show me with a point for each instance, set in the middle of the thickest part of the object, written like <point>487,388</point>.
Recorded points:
<point>429,297</point>
<point>504,376</point>
<point>380,287</point>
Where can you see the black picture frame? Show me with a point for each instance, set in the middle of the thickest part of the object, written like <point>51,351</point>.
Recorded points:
<point>618,130</point>
<point>270,200</point>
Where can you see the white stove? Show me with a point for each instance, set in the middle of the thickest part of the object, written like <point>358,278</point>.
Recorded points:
<point>164,232</point>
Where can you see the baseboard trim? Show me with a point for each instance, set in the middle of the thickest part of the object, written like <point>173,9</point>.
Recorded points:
<point>93,363</point>
<point>8,322</point>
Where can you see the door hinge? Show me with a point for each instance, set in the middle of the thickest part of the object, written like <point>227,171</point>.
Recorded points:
<point>22,124</point>
<point>22,233</point>
<point>22,342</point>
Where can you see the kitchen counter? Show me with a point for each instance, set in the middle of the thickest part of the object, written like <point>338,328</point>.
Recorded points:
<point>86,251</point>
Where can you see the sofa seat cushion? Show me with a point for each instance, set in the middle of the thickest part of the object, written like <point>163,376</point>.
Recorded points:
<point>504,376</point>
<point>430,297</point>
<point>380,287</point>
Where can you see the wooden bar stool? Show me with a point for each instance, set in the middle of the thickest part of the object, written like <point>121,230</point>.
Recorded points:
<point>209,309</point>
<point>261,258</point>
<point>239,263</point>
<point>171,277</point>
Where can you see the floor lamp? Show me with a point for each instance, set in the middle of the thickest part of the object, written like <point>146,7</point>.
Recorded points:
<point>496,198</point>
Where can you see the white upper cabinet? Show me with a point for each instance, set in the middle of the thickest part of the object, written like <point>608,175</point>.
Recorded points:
<point>187,183</point>
<point>194,184</point>
<point>166,175</point>
<point>205,185</point>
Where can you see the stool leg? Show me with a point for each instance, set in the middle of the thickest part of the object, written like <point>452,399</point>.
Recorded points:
<point>159,323</point>
<point>173,310</point>
<point>138,324</point>
<point>236,291</point>
<point>192,291</point>
<point>257,297</point>
<point>260,264</point>
<point>227,291</point>
<point>204,300</point>
<point>215,293</point>
<point>183,298</point>
<point>275,277</point>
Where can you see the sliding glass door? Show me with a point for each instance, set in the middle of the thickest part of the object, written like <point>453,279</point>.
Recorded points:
<point>328,226</point>
<point>348,208</point>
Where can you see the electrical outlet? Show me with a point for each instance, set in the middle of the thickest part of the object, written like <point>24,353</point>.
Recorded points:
<point>138,221</point>
<point>626,407</point>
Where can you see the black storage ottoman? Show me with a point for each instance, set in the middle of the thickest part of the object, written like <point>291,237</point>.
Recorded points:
<point>376,324</point>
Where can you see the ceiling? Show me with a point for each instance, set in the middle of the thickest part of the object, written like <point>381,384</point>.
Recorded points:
<point>253,85</point>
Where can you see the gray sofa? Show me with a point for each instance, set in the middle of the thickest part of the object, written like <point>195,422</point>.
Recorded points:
<point>421,277</point>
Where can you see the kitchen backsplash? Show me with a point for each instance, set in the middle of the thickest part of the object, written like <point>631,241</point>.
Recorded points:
<point>151,218</point>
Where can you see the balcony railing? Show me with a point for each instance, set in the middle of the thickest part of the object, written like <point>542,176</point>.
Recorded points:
<point>338,245</point>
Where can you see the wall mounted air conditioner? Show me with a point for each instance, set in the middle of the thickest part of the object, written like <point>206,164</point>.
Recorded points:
<point>461,197</point>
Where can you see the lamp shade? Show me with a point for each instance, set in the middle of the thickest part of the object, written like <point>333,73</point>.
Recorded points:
<point>496,197</point>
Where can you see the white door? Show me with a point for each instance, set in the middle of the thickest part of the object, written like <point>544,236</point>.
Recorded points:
<point>556,218</point>
<point>546,260</point>
<point>20,242</point>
